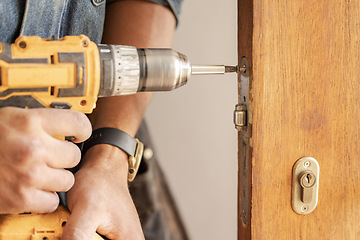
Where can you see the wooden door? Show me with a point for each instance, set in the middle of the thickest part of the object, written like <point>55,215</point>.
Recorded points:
<point>304,100</point>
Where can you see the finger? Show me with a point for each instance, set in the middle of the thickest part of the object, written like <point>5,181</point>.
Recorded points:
<point>81,225</point>
<point>56,180</point>
<point>60,122</point>
<point>63,154</point>
<point>42,202</point>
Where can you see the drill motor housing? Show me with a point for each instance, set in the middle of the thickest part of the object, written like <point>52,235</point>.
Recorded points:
<point>53,73</point>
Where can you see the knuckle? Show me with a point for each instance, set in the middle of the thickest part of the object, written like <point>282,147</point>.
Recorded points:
<point>15,196</point>
<point>22,120</point>
<point>28,150</point>
<point>22,200</point>
<point>28,120</point>
<point>30,176</point>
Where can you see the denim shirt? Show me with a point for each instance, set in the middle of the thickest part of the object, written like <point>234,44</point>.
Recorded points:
<point>47,18</point>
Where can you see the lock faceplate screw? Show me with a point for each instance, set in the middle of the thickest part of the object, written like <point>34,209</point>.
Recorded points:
<point>304,208</point>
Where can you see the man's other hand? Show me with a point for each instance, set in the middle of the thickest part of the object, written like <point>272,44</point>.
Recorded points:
<point>100,200</point>
<point>32,160</point>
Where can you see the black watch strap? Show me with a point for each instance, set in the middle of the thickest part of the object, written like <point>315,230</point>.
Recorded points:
<point>114,137</point>
<point>118,138</point>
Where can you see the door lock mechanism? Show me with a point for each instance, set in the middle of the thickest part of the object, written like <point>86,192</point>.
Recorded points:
<point>307,181</point>
<point>305,185</point>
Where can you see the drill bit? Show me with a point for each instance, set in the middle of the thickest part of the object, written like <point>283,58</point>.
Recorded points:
<point>213,69</point>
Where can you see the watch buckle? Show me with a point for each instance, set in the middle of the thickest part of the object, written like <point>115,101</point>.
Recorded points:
<point>134,161</point>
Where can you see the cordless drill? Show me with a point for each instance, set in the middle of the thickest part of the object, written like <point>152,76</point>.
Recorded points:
<point>71,73</point>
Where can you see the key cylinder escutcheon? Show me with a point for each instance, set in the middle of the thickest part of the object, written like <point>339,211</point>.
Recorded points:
<point>305,185</point>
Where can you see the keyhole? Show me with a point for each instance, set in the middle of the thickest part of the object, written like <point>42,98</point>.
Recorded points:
<point>307,179</point>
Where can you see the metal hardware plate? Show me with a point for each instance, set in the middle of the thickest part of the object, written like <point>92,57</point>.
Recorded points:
<point>305,185</point>
<point>242,119</point>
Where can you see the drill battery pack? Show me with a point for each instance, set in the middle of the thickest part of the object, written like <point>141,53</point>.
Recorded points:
<point>28,226</point>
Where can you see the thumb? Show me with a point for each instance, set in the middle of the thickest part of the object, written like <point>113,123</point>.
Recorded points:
<point>80,226</point>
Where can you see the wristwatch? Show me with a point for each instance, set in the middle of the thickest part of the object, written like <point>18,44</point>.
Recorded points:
<point>118,138</point>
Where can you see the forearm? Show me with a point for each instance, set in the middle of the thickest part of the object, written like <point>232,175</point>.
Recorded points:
<point>124,112</point>
<point>141,24</point>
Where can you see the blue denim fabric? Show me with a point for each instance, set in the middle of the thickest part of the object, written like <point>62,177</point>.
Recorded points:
<point>174,5</point>
<point>10,22</point>
<point>46,18</point>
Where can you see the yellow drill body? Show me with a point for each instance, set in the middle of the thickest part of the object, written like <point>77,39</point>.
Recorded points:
<point>59,73</point>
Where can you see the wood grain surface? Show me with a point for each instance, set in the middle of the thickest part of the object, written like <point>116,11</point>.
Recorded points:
<point>306,102</point>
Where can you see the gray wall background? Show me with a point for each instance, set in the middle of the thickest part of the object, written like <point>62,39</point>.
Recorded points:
<point>192,127</point>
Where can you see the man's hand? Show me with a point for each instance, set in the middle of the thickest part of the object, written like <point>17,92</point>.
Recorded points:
<point>100,200</point>
<point>32,161</point>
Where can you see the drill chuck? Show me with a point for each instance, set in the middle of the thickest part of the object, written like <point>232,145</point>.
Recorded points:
<point>127,70</point>
<point>162,70</point>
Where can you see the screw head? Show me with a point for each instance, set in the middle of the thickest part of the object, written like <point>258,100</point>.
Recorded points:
<point>304,208</point>
<point>85,43</point>
<point>83,102</point>
<point>307,164</point>
<point>22,44</point>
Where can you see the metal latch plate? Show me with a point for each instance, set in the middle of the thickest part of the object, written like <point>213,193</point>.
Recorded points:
<point>240,116</point>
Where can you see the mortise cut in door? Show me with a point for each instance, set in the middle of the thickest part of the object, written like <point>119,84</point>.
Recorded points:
<point>304,101</point>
